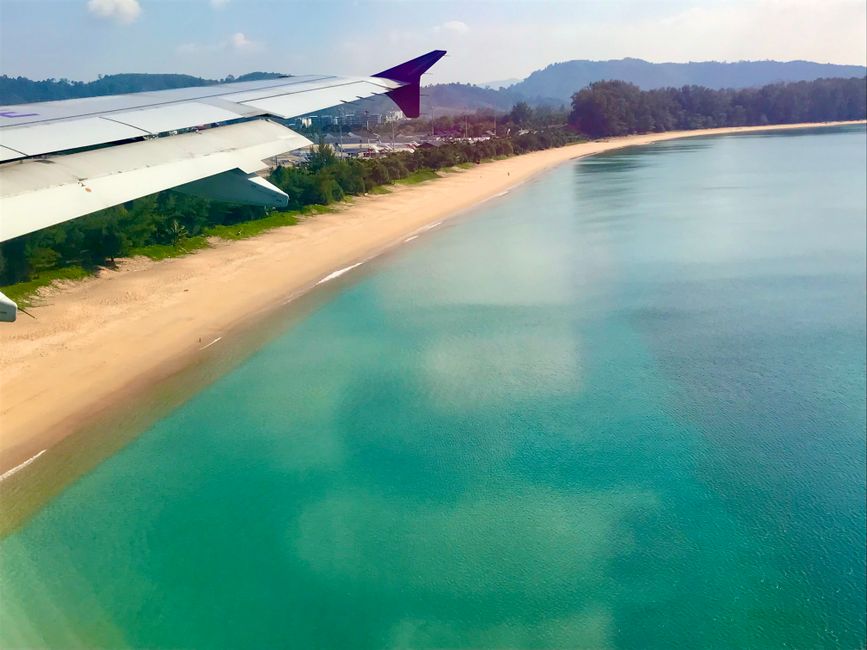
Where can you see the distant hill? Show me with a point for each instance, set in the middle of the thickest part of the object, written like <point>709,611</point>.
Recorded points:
<point>445,97</point>
<point>441,99</point>
<point>551,86</point>
<point>20,90</point>
<point>457,98</point>
<point>561,80</point>
<point>453,97</point>
<point>502,83</point>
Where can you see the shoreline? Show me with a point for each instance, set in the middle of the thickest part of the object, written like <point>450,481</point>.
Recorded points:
<point>100,344</point>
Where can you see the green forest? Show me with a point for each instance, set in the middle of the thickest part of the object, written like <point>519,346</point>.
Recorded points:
<point>610,108</point>
<point>21,90</point>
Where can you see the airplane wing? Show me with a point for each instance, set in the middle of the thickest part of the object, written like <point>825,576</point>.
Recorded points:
<point>64,159</point>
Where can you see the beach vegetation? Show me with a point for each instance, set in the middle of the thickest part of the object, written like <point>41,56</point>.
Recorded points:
<point>182,247</point>
<point>176,232</point>
<point>418,176</point>
<point>23,292</point>
<point>247,229</point>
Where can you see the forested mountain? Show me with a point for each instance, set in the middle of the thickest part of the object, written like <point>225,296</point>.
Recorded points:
<point>20,90</point>
<point>458,97</point>
<point>455,99</point>
<point>552,86</point>
<point>560,80</point>
<point>500,83</point>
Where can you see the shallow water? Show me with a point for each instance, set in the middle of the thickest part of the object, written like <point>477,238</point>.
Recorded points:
<point>621,407</point>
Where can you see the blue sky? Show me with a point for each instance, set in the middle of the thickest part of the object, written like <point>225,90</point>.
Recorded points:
<point>487,39</point>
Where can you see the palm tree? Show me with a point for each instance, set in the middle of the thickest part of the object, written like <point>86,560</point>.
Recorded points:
<point>176,232</point>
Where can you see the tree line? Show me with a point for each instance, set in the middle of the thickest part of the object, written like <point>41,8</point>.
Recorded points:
<point>480,123</point>
<point>611,108</point>
<point>21,90</point>
<point>171,219</point>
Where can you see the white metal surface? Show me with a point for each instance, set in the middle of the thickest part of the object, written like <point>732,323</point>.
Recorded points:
<point>8,309</point>
<point>35,194</point>
<point>52,127</point>
<point>9,154</point>
<point>289,105</point>
<point>174,116</point>
<point>70,134</point>
<point>40,112</point>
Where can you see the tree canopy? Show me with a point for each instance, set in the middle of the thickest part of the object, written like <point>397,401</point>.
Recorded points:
<point>609,108</point>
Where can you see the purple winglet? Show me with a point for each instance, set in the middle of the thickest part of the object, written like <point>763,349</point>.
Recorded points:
<point>408,96</point>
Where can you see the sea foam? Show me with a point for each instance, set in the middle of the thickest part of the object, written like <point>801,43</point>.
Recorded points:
<point>339,272</point>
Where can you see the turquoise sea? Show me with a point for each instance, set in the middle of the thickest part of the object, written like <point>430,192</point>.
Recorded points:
<point>622,406</point>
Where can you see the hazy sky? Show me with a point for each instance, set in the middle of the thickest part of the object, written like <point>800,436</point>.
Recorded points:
<point>487,39</point>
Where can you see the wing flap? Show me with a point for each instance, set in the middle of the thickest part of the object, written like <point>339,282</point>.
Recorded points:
<point>174,116</point>
<point>35,194</point>
<point>9,154</point>
<point>237,187</point>
<point>71,134</point>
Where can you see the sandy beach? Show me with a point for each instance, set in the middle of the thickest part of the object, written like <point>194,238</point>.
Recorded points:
<point>107,339</point>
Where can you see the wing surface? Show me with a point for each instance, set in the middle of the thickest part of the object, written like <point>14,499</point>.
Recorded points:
<point>50,127</point>
<point>42,192</point>
<point>28,130</point>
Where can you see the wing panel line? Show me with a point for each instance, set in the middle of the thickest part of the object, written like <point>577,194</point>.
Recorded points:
<point>313,90</point>
<point>227,91</point>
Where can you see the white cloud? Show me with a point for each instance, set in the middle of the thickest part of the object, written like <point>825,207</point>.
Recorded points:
<point>123,12</point>
<point>237,42</point>
<point>219,4</point>
<point>453,26</point>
